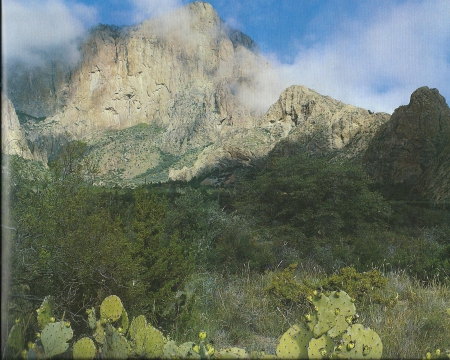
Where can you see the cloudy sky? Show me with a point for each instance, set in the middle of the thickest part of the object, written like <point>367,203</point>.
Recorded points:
<point>372,54</point>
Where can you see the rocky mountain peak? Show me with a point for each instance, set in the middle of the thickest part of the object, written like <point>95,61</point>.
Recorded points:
<point>415,143</point>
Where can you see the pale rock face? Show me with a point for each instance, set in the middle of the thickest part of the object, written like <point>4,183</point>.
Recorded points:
<point>195,86</point>
<point>308,121</point>
<point>177,71</point>
<point>13,138</point>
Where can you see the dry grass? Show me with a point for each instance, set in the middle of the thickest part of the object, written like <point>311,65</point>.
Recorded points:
<point>237,311</point>
<point>417,323</point>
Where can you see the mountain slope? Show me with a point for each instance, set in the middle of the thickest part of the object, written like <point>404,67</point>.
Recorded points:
<point>412,150</point>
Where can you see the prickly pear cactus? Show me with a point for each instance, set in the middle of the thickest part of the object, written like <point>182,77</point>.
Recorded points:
<point>54,338</point>
<point>361,343</point>
<point>232,353</point>
<point>111,309</point>
<point>99,332</point>
<point>45,312</point>
<point>84,349</point>
<point>186,351</point>
<point>16,339</point>
<point>320,348</point>
<point>116,346</point>
<point>138,323</point>
<point>92,320</point>
<point>149,342</point>
<point>343,308</point>
<point>171,350</point>
<point>294,342</point>
<point>123,321</point>
<point>326,318</point>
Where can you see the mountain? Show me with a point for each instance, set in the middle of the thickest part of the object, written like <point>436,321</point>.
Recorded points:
<point>306,121</point>
<point>412,150</point>
<point>185,95</point>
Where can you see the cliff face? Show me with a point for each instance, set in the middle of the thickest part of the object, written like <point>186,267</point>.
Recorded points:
<point>13,138</point>
<point>176,96</point>
<point>320,125</point>
<point>183,72</point>
<point>413,148</point>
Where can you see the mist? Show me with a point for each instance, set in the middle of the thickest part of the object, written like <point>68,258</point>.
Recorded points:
<point>33,32</point>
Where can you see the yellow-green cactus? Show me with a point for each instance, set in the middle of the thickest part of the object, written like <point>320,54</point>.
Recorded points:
<point>111,309</point>
<point>138,323</point>
<point>232,353</point>
<point>361,342</point>
<point>320,348</point>
<point>45,312</point>
<point>84,349</point>
<point>149,342</point>
<point>294,342</point>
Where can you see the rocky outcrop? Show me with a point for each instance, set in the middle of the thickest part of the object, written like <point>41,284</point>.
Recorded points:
<point>183,72</point>
<point>320,125</point>
<point>413,148</point>
<point>13,138</point>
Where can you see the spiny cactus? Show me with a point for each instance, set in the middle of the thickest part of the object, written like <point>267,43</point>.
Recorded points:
<point>99,332</point>
<point>171,350</point>
<point>186,351</point>
<point>115,346</point>
<point>111,309</point>
<point>360,342</point>
<point>149,342</point>
<point>343,307</point>
<point>294,342</point>
<point>232,353</point>
<point>92,320</point>
<point>84,349</point>
<point>138,323</point>
<point>320,348</point>
<point>16,339</point>
<point>54,338</point>
<point>45,312</point>
<point>123,321</point>
<point>333,316</point>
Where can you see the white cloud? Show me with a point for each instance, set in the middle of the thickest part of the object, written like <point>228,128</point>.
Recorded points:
<point>144,9</point>
<point>377,61</point>
<point>31,30</point>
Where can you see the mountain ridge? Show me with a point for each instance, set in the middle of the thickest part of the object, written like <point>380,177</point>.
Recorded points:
<point>171,100</point>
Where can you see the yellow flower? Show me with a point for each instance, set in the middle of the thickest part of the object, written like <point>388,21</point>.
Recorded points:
<point>202,335</point>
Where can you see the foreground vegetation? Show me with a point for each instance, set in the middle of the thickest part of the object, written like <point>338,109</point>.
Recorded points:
<point>223,259</point>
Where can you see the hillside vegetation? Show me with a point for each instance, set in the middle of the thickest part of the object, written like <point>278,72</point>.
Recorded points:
<point>238,261</point>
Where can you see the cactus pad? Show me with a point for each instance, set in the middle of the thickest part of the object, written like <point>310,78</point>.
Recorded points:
<point>361,343</point>
<point>294,342</point>
<point>123,322</point>
<point>111,309</point>
<point>84,349</point>
<point>150,342</point>
<point>99,333</point>
<point>232,353</point>
<point>138,323</point>
<point>91,318</point>
<point>185,351</point>
<point>16,339</point>
<point>343,306</point>
<point>320,348</point>
<point>54,338</point>
<point>116,346</point>
<point>170,350</point>
<point>326,318</point>
<point>45,312</point>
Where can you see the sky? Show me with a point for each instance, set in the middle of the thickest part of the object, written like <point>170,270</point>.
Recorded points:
<point>369,53</point>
